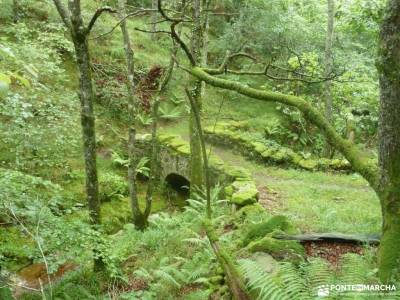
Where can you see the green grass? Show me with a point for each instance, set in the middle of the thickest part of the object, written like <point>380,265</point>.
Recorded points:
<point>326,202</point>
<point>315,201</point>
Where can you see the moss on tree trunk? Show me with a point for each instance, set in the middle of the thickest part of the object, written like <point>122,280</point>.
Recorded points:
<point>389,142</point>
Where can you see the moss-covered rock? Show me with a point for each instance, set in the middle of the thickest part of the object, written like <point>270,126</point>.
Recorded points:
<point>238,172</point>
<point>165,138</point>
<point>266,262</point>
<point>279,249</point>
<point>280,156</point>
<point>228,191</point>
<point>252,213</point>
<point>258,147</point>
<point>245,193</point>
<point>295,158</point>
<point>267,154</point>
<point>184,149</point>
<point>308,164</point>
<point>339,164</point>
<point>259,230</point>
<point>176,143</point>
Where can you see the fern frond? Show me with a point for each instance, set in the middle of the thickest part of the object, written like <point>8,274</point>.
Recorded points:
<point>196,241</point>
<point>168,278</point>
<point>354,269</point>
<point>318,273</point>
<point>296,285</point>
<point>143,273</point>
<point>265,285</point>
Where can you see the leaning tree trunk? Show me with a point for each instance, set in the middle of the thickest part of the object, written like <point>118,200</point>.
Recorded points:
<point>139,219</point>
<point>328,67</point>
<point>389,142</point>
<point>234,279</point>
<point>196,163</point>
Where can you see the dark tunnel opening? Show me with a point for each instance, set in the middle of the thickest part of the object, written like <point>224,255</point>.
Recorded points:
<point>178,184</point>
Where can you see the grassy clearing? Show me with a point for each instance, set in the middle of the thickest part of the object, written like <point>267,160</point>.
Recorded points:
<point>316,201</point>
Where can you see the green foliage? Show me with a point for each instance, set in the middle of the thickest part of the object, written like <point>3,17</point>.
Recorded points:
<point>169,112</point>
<point>112,186</point>
<point>20,191</point>
<point>141,167</point>
<point>38,124</point>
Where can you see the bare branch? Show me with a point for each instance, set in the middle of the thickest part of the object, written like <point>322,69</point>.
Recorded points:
<point>152,31</point>
<point>142,11</point>
<point>183,45</point>
<point>174,34</point>
<point>164,14</point>
<point>223,68</point>
<point>97,14</point>
<point>64,13</point>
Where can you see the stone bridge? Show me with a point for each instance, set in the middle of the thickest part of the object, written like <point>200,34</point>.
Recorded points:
<point>174,169</point>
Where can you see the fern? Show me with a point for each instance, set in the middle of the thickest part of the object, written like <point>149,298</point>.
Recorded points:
<point>168,113</point>
<point>261,283</point>
<point>354,269</point>
<point>144,119</point>
<point>143,273</point>
<point>318,273</point>
<point>142,168</point>
<point>166,277</point>
<point>290,282</point>
<point>118,161</point>
<point>294,280</point>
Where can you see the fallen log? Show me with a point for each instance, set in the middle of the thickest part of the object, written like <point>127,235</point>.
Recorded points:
<point>334,237</point>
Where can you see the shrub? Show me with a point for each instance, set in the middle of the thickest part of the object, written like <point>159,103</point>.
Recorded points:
<point>112,186</point>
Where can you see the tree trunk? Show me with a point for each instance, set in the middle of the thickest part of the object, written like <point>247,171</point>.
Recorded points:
<point>16,11</point>
<point>86,95</point>
<point>154,156</point>
<point>328,68</point>
<point>389,143</point>
<point>154,19</point>
<point>138,218</point>
<point>204,52</point>
<point>196,163</point>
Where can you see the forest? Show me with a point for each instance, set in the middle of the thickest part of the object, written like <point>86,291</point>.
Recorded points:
<point>199,149</point>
